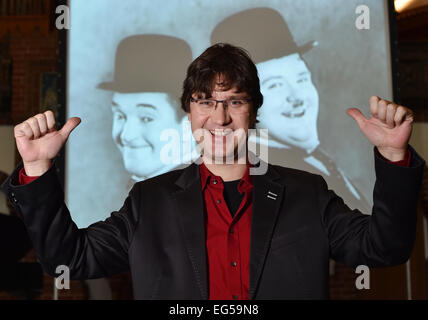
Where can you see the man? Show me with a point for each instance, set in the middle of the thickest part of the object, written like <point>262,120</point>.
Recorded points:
<point>213,231</point>
<point>146,90</point>
<point>291,101</point>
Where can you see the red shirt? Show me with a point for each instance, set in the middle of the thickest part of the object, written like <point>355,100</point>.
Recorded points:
<point>227,239</point>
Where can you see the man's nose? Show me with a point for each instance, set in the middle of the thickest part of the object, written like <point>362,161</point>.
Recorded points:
<point>294,101</point>
<point>129,132</point>
<point>220,114</point>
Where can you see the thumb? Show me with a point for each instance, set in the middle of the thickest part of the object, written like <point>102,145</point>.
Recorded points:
<point>69,126</point>
<point>356,114</point>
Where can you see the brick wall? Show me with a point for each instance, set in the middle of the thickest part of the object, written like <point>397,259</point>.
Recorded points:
<point>342,283</point>
<point>32,54</point>
<point>33,46</point>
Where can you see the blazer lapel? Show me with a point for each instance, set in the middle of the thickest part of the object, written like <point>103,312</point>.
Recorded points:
<point>267,198</point>
<point>190,209</point>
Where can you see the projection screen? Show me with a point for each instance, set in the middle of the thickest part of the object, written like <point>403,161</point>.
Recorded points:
<point>126,61</point>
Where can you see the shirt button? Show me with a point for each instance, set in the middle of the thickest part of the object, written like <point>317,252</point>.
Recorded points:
<point>218,201</point>
<point>231,231</point>
<point>235,297</point>
<point>214,181</point>
<point>233,264</point>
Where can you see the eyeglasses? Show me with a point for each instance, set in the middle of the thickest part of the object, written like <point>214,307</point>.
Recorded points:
<point>234,106</point>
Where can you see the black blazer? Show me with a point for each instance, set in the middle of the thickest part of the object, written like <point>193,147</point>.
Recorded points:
<point>159,232</point>
<point>337,180</point>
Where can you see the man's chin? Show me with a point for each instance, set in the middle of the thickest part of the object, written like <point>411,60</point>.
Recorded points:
<point>225,157</point>
<point>290,139</point>
<point>131,167</point>
<point>299,141</point>
<point>141,175</point>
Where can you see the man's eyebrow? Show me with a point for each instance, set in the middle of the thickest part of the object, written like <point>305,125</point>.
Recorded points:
<point>144,105</point>
<point>270,78</point>
<point>238,96</point>
<point>303,73</point>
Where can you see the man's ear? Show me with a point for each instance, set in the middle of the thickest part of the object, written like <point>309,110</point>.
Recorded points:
<point>188,116</point>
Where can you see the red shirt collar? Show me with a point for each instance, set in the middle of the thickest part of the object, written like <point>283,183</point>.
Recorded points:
<point>245,183</point>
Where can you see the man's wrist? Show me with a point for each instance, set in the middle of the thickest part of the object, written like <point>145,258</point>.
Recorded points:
<point>37,168</point>
<point>393,154</point>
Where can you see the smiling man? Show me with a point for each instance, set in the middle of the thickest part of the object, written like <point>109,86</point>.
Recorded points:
<point>290,108</point>
<point>146,90</point>
<point>213,230</point>
<point>223,130</point>
<point>222,105</point>
<point>138,122</point>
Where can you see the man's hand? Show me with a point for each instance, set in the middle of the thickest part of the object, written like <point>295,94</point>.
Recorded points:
<point>388,128</point>
<point>38,141</point>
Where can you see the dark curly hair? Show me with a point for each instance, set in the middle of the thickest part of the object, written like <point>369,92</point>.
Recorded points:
<point>235,67</point>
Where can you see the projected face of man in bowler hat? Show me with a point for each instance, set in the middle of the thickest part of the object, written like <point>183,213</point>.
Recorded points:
<point>290,107</point>
<point>138,121</point>
<point>148,75</point>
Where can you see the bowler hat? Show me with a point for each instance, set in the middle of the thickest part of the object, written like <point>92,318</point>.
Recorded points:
<point>150,63</point>
<point>263,32</point>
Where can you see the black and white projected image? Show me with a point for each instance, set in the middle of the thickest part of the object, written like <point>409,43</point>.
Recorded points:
<point>125,79</point>
<point>146,100</point>
<point>291,100</point>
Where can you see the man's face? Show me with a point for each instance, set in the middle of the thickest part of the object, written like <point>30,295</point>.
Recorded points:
<point>290,106</point>
<point>138,120</point>
<point>221,132</point>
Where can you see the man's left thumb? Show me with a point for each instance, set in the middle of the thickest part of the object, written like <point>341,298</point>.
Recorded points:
<point>356,114</point>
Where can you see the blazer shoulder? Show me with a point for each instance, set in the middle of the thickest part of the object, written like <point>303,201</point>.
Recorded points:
<point>164,179</point>
<point>291,173</point>
<point>296,178</point>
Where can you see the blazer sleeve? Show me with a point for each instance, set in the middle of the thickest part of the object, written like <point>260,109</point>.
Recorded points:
<point>386,237</point>
<point>93,252</point>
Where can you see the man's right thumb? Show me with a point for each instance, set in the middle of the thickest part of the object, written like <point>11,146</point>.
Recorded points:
<point>69,126</point>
